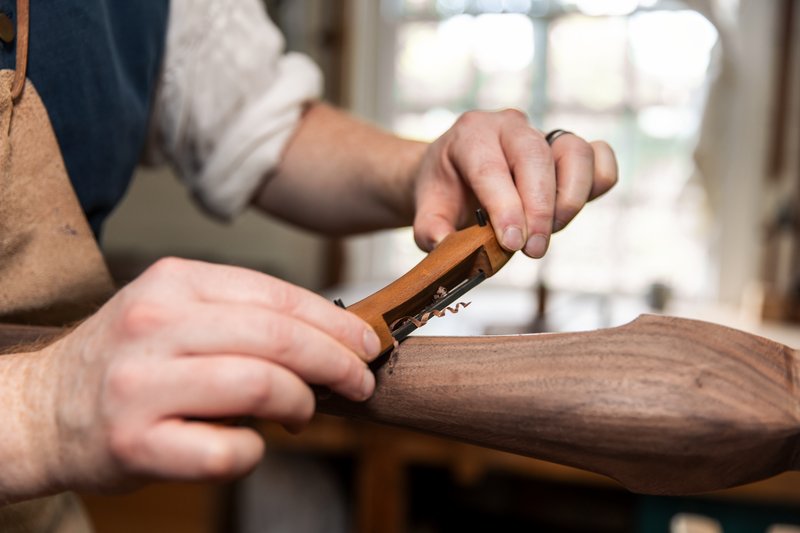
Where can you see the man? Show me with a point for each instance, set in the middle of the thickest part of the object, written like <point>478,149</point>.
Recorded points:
<point>124,397</point>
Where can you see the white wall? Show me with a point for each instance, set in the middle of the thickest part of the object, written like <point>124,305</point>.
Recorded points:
<point>158,218</point>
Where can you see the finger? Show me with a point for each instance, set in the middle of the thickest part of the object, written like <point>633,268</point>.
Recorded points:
<point>531,162</point>
<point>193,451</point>
<point>223,386</point>
<point>605,169</point>
<point>574,159</point>
<point>482,164</point>
<point>227,284</point>
<point>310,353</point>
<point>439,202</point>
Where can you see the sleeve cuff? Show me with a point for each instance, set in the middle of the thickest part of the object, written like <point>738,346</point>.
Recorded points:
<point>253,144</point>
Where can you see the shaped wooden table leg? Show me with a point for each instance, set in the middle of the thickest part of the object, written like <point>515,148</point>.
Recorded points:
<point>663,405</point>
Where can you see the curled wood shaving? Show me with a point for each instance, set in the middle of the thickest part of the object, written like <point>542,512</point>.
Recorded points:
<point>421,321</point>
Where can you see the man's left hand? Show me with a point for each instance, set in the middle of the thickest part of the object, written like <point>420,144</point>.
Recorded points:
<point>497,160</point>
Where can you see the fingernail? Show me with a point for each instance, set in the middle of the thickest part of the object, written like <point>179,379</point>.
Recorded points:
<point>512,238</point>
<point>536,246</point>
<point>368,384</point>
<point>372,344</point>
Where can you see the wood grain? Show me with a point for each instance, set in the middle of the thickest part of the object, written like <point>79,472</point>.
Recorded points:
<point>663,405</point>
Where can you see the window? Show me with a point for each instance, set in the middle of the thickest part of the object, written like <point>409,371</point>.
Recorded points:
<point>633,73</point>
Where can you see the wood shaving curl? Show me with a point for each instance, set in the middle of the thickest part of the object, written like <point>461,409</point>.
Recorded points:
<point>421,321</point>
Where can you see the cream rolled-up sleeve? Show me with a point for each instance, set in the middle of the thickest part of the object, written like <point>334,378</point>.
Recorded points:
<point>228,100</point>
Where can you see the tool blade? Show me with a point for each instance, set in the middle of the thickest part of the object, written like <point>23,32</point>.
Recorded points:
<point>405,328</point>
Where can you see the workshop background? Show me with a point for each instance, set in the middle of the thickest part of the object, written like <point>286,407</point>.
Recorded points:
<point>700,100</point>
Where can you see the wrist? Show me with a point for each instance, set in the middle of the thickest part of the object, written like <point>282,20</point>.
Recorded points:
<point>29,450</point>
<point>407,157</point>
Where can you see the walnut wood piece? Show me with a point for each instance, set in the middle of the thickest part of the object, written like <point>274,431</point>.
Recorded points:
<point>461,255</point>
<point>663,405</point>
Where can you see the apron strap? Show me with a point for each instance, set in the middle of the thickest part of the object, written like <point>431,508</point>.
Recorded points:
<point>23,23</point>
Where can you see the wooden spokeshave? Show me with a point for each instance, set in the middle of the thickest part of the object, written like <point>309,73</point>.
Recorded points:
<point>460,262</point>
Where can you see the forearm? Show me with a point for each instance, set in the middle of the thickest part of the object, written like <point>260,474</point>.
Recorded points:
<point>340,175</point>
<point>27,451</point>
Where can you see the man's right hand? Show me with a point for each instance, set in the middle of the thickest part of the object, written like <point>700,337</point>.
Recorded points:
<point>131,394</point>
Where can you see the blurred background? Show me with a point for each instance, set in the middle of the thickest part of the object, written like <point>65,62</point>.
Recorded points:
<point>700,100</point>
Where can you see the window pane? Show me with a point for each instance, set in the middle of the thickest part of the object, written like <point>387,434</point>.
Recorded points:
<point>586,62</point>
<point>670,74</point>
<point>415,7</point>
<point>601,69</point>
<point>434,63</point>
<point>425,126</point>
<point>466,61</point>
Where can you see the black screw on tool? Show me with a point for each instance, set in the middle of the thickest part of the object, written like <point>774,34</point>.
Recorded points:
<point>339,302</point>
<point>481,216</point>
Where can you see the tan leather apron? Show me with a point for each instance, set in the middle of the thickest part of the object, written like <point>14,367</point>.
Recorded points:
<point>51,269</point>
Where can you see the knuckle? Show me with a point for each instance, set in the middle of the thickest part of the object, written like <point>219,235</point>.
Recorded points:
<point>164,272</point>
<point>283,296</point>
<point>489,170</point>
<point>606,174</point>
<point>302,408</point>
<point>219,460</point>
<point>607,179</point>
<point>530,150</point>
<point>280,335</point>
<point>603,146</point>
<point>350,330</point>
<point>541,205</point>
<point>306,411</point>
<point>581,148</point>
<point>256,386</point>
<point>537,149</point>
<point>123,382</point>
<point>541,222</point>
<point>139,317</point>
<point>345,371</point>
<point>470,119</point>
<point>514,114</point>
<point>167,267</point>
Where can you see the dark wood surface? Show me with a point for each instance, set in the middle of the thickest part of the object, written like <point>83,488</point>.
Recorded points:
<point>663,405</point>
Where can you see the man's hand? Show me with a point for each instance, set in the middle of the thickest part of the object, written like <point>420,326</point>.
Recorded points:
<point>131,393</point>
<point>529,189</point>
<point>373,180</point>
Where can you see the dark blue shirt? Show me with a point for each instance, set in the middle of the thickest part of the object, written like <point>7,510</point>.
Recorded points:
<point>95,64</point>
